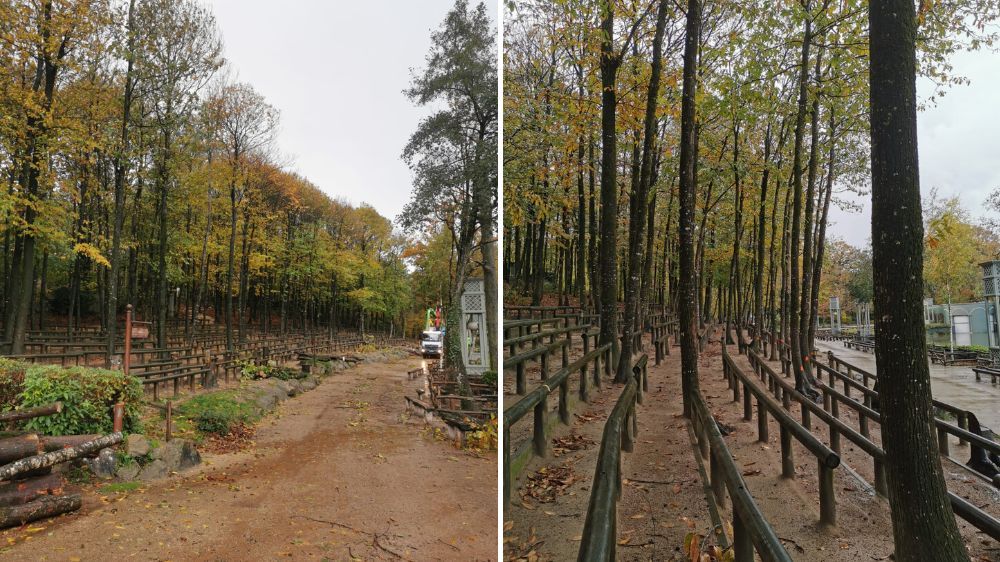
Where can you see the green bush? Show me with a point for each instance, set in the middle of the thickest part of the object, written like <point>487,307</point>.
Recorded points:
<point>11,382</point>
<point>88,396</point>
<point>489,377</point>
<point>219,412</point>
<point>250,371</point>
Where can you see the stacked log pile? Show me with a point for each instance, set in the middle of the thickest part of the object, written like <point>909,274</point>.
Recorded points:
<point>29,490</point>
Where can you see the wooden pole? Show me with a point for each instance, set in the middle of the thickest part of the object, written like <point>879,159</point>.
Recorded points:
<point>29,413</point>
<point>38,509</point>
<point>119,417</point>
<point>127,359</point>
<point>170,412</point>
<point>8,471</point>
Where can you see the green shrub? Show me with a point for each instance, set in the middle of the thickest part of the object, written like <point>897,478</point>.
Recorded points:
<point>88,396</point>
<point>219,412</point>
<point>286,374</point>
<point>11,382</point>
<point>489,377</point>
<point>250,371</point>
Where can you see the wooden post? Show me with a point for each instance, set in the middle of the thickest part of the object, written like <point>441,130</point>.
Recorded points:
<point>119,416</point>
<point>541,443</point>
<point>127,359</point>
<point>718,484</point>
<point>827,498</point>
<point>564,401</point>
<point>170,420</point>
<point>787,462</point>
<point>742,544</point>
<point>761,421</point>
<point>942,441</point>
<point>747,405</point>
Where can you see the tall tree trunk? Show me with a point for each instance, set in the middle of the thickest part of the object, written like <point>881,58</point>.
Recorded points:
<point>229,271</point>
<point>640,196</point>
<point>794,338</point>
<point>121,168</point>
<point>688,185</point>
<point>923,523</point>
<point>609,184</point>
<point>808,241</point>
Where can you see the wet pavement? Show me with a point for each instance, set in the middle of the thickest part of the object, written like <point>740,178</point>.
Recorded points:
<point>952,385</point>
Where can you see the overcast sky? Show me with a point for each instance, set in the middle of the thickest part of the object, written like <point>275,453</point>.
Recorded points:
<point>336,71</point>
<point>959,143</point>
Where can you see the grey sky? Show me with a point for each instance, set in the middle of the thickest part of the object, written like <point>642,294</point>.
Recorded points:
<point>958,142</point>
<point>336,71</point>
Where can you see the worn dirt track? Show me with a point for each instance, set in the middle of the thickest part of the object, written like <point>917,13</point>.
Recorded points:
<point>339,473</point>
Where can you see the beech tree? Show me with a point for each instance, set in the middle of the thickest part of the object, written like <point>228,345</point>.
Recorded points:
<point>923,524</point>
<point>453,156</point>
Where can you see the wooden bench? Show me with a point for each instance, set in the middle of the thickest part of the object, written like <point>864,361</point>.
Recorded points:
<point>44,357</point>
<point>991,371</point>
<point>175,374</point>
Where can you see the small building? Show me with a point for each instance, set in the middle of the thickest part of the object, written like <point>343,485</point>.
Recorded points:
<point>972,323</point>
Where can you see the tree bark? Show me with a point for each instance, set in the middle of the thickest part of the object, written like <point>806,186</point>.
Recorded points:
<point>11,470</point>
<point>923,523</point>
<point>608,277</point>
<point>640,196</point>
<point>21,492</point>
<point>38,509</point>
<point>688,185</point>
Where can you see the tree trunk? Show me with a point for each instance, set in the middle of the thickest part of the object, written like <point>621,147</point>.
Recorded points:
<point>38,509</point>
<point>609,187</point>
<point>923,523</point>
<point>794,337</point>
<point>118,216</point>
<point>11,470</point>
<point>640,196</point>
<point>688,186</point>
<point>21,492</point>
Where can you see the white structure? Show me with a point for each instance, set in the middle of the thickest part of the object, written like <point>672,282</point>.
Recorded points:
<point>474,328</point>
<point>835,315</point>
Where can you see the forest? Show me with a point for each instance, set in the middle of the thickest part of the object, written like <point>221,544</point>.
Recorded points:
<point>137,170</point>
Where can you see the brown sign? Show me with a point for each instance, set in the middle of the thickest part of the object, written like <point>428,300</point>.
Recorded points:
<point>140,332</point>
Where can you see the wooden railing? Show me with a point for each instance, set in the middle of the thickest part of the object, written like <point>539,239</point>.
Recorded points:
<point>599,537</point>
<point>536,401</point>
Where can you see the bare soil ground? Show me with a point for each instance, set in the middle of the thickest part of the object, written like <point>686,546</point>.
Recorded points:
<point>662,497</point>
<point>864,528</point>
<point>338,473</point>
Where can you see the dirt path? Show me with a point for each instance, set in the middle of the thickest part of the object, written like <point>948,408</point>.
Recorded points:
<point>339,473</point>
<point>662,494</point>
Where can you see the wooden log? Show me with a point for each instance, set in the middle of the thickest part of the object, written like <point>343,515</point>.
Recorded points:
<point>39,509</point>
<point>14,448</point>
<point>8,471</point>
<point>56,442</point>
<point>20,492</point>
<point>29,413</point>
<point>30,444</point>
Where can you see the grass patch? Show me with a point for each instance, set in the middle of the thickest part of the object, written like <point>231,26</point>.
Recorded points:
<point>218,413</point>
<point>121,487</point>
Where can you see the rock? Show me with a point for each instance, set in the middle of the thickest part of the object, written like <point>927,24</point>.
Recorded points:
<point>104,465</point>
<point>266,401</point>
<point>137,445</point>
<point>154,470</point>
<point>177,455</point>
<point>128,472</point>
<point>296,388</point>
<point>307,384</point>
<point>284,386</point>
